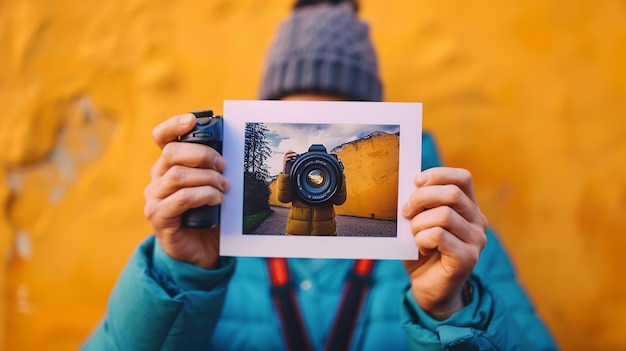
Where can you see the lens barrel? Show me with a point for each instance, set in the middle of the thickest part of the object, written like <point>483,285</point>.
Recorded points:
<point>316,176</point>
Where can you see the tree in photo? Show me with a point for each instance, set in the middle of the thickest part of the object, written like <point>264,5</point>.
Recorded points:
<point>256,172</point>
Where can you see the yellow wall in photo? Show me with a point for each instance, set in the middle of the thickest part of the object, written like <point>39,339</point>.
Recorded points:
<point>530,96</point>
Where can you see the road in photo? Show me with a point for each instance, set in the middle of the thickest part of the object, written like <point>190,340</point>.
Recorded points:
<point>346,225</point>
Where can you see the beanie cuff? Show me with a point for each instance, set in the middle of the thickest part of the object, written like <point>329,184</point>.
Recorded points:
<point>325,75</point>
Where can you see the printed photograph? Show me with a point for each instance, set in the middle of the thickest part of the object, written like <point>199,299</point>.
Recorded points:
<point>305,179</point>
<point>319,179</point>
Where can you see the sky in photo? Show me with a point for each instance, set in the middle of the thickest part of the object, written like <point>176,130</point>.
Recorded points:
<point>299,137</point>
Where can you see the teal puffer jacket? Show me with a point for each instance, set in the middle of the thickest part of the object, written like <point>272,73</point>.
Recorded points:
<point>163,304</point>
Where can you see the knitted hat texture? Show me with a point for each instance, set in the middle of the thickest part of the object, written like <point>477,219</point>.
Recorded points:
<point>322,49</point>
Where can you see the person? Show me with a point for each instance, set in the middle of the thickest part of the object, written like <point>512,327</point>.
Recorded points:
<point>178,293</point>
<point>304,219</point>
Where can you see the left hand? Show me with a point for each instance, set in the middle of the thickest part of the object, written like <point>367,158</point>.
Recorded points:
<point>449,231</point>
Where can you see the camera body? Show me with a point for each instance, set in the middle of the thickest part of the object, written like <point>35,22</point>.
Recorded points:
<point>316,176</point>
<point>208,131</point>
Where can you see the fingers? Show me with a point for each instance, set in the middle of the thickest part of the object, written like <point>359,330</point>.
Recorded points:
<point>288,155</point>
<point>172,128</point>
<point>444,202</point>
<point>186,175</point>
<point>446,175</point>
<point>178,177</point>
<point>451,187</point>
<point>459,257</point>
<point>160,212</point>
<point>433,196</point>
<point>447,219</point>
<point>437,239</point>
<point>189,155</point>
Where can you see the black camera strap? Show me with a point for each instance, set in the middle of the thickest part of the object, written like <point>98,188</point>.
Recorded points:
<point>358,282</point>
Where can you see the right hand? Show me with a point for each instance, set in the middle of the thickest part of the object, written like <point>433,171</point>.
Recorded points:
<point>186,175</point>
<point>288,156</point>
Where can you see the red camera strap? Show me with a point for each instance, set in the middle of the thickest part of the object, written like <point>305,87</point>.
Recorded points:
<point>358,282</point>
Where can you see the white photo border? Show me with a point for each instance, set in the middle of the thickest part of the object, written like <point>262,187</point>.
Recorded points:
<point>233,242</point>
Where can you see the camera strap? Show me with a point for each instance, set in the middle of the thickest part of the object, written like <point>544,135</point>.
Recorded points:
<point>357,285</point>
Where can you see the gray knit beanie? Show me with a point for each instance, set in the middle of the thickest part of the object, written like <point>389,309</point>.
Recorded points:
<point>322,48</point>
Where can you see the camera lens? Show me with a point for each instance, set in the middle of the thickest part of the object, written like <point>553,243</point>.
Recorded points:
<point>316,178</point>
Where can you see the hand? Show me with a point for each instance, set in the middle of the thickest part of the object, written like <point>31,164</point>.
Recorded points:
<point>186,175</point>
<point>449,231</point>
<point>288,156</point>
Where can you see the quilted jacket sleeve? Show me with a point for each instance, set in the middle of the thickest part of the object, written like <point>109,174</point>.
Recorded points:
<point>285,194</point>
<point>500,316</point>
<point>150,308</point>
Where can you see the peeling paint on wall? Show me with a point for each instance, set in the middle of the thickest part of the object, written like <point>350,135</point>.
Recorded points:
<point>81,139</point>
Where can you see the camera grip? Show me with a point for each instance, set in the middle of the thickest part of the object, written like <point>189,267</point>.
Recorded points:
<point>208,131</point>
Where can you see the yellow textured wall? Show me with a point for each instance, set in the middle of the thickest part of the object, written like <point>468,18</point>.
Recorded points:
<point>371,171</point>
<point>528,95</point>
